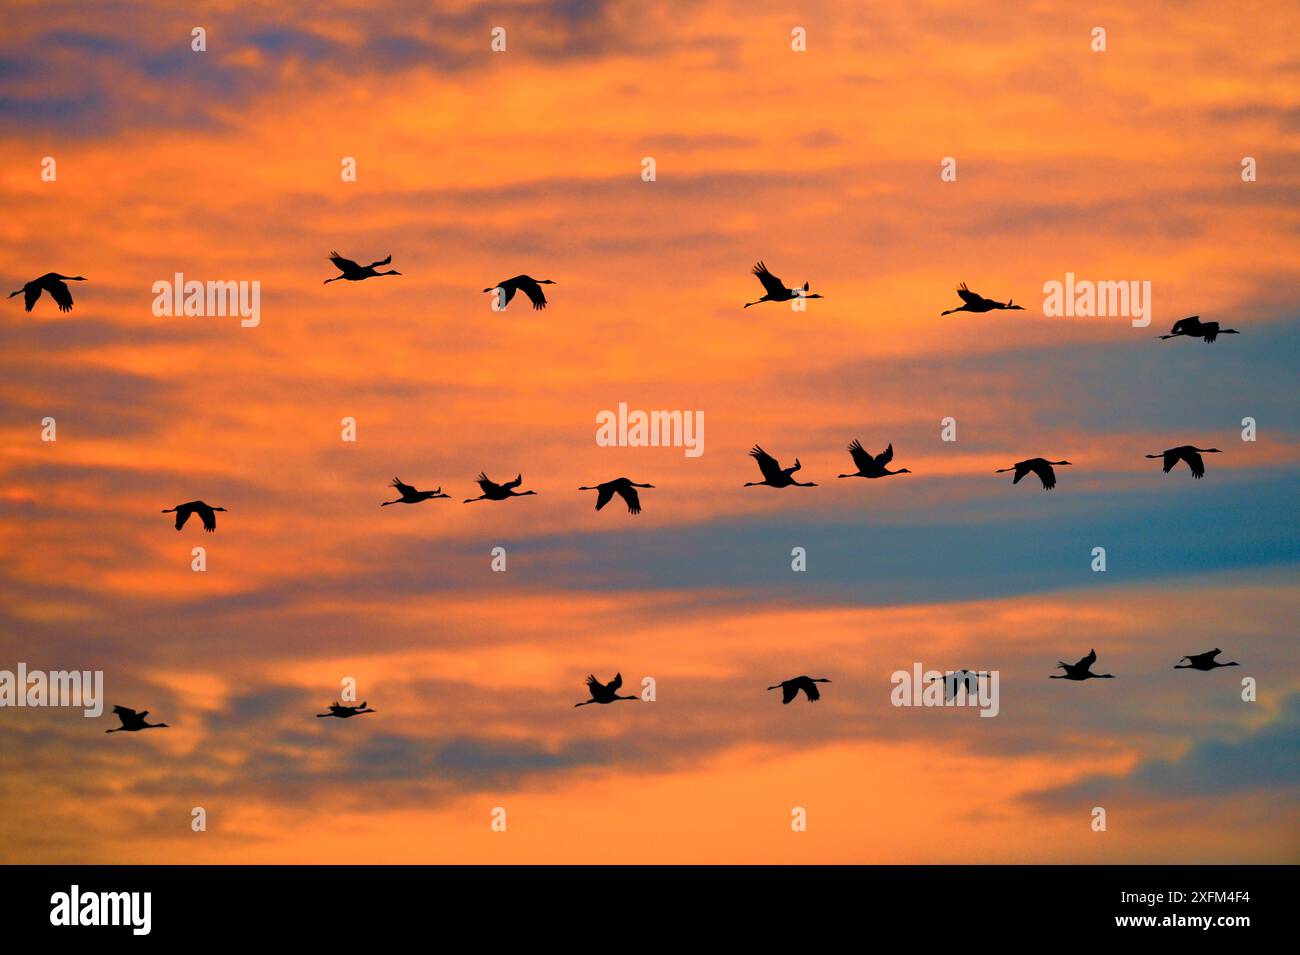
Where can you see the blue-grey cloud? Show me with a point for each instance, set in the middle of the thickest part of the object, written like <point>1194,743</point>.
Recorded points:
<point>1267,759</point>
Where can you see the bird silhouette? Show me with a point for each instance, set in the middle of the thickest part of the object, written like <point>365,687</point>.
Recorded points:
<point>974,302</point>
<point>1081,670</point>
<point>410,495</point>
<point>1039,466</point>
<point>775,290</point>
<point>497,492</point>
<point>773,474</point>
<point>604,692</point>
<point>872,467</point>
<point>354,272</point>
<point>344,712</point>
<point>522,283</point>
<point>624,488</point>
<point>1193,327</point>
<point>51,282</point>
<point>1188,453</point>
<point>206,512</point>
<point>790,688</point>
<point>132,721</point>
<point>951,681</point>
<point>1204,661</point>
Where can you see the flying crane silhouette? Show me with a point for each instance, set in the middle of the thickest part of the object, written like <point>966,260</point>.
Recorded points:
<point>344,712</point>
<point>604,692</point>
<point>624,488</point>
<point>354,272</point>
<point>206,512</point>
<point>1204,661</point>
<point>51,282</point>
<point>1039,466</point>
<point>1081,670</point>
<point>410,495</point>
<point>132,721</point>
<point>773,474</point>
<point>1193,327</point>
<point>790,688</point>
<point>1188,453</point>
<point>497,492</point>
<point>974,302</point>
<point>522,283</point>
<point>775,290</point>
<point>869,466</point>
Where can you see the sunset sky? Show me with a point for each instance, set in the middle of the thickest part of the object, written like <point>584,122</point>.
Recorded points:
<point>473,166</point>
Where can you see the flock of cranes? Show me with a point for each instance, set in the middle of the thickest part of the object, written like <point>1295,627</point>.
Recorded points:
<point>774,475</point>
<point>605,693</point>
<point>774,290</point>
<point>869,466</point>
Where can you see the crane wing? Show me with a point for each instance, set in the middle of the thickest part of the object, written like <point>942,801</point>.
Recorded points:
<point>182,515</point>
<point>604,492</point>
<point>885,456</point>
<point>615,683</point>
<point>342,264</point>
<point>1195,462</point>
<point>628,493</point>
<point>810,688</point>
<point>386,260</point>
<point>1184,325</point>
<point>486,483</point>
<point>788,692</point>
<point>209,518</point>
<point>403,489</point>
<point>766,463</point>
<point>519,479</point>
<point>1087,662</point>
<point>861,458</point>
<point>771,283</point>
<point>1045,473</point>
<point>967,296</point>
<point>59,292</point>
<point>124,713</point>
<point>534,291</point>
<point>31,292</point>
